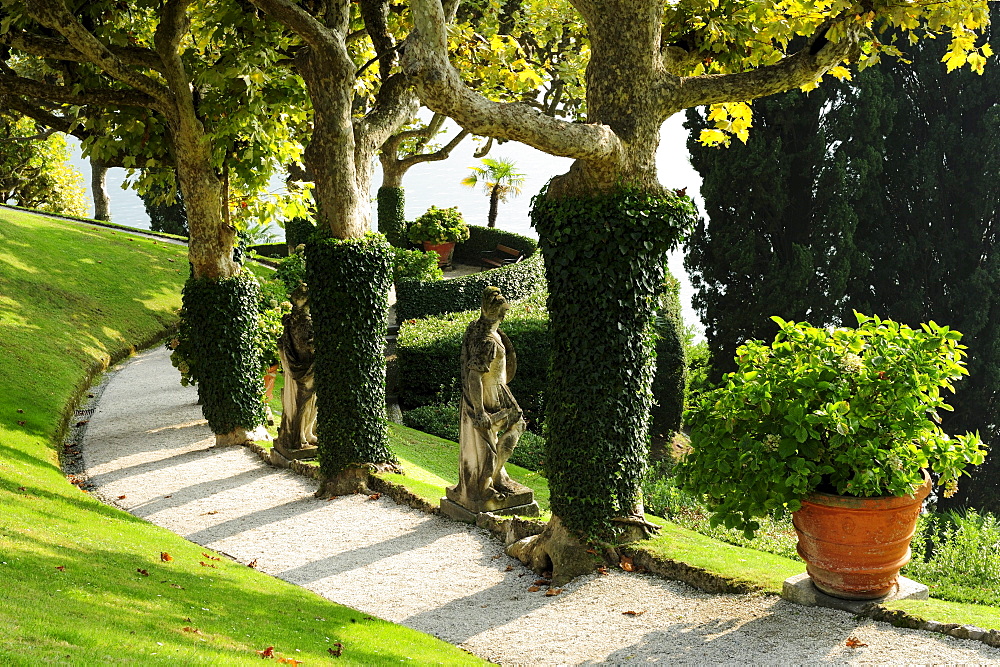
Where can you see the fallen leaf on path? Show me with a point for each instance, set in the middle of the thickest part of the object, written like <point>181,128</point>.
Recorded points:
<point>143,572</point>
<point>553,591</point>
<point>633,613</point>
<point>542,582</point>
<point>602,569</point>
<point>626,564</point>
<point>165,557</point>
<point>170,496</point>
<point>266,653</point>
<point>375,496</point>
<point>206,513</point>
<point>252,563</point>
<point>121,497</point>
<point>336,652</point>
<point>854,642</point>
<point>533,589</point>
<point>508,568</point>
<point>82,423</point>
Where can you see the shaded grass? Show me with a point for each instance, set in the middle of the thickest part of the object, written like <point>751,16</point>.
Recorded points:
<point>71,300</point>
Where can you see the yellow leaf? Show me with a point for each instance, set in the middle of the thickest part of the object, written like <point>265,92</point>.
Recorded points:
<point>713,137</point>
<point>840,72</point>
<point>718,112</point>
<point>987,50</point>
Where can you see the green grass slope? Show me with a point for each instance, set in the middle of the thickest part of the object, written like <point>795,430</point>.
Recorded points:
<point>84,583</point>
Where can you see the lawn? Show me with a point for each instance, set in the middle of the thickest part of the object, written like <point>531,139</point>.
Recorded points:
<point>84,583</point>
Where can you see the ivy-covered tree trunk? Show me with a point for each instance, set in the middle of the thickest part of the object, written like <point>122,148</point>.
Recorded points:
<point>348,287</point>
<point>392,214</point>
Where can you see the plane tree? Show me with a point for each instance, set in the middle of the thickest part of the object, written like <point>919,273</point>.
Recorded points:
<point>605,225</point>
<point>186,85</point>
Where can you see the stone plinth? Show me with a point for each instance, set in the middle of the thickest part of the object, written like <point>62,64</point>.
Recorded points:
<point>800,589</point>
<point>304,452</point>
<point>519,501</point>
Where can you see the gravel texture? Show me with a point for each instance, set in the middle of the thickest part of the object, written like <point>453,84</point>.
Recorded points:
<point>148,442</point>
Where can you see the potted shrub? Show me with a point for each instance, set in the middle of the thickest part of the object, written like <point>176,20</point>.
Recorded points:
<point>833,424</point>
<point>439,229</point>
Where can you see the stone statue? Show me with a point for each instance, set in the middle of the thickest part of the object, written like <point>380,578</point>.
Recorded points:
<point>297,436</point>
<point>491,421</point>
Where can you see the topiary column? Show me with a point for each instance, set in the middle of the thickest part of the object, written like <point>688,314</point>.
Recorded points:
<point>392,215</point>
<point>220,325</point>
<point>348,293</point>
<point>605,268</point>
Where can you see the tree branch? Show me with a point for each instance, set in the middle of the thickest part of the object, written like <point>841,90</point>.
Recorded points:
<point>799,69</point>
<point>304,24</point>
<point>441,89</point>
<point>48,47</point>
<point>105,97</point>
<point>395,102</point>
<point>440,154</point>
<point>54,14</point>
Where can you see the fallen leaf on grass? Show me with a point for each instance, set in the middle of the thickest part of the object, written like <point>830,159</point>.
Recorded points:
<point>143,572</point>
<point>553,591</point>
<point>626,564</point>
<point>266,653</point>
<point>21,488</point>
<point>204,564</point>
<point>165,557</point>
<point>336,652</point>
<point>61,568</point>
<point>177,586</point>
<point>188,628</point>
<point>252,563</point>
<point>375,496</point>
<point>633,613</point>
<point>20,411</point>
<point>854,642</point>
<point>21,423</point>
<point>533,589</point>
<point>290,661</point>
<point>209,557</point>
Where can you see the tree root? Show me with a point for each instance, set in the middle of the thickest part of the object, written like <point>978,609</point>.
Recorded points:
<point>352,480</point>
<point>557,550</point>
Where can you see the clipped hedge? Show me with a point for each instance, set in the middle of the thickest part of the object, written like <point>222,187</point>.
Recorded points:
<point>606,258</point>
<point>417,298</point>
<point>428,351</point>
<point>348,287</point>
<point>297,232</point>
<point>272,250</point>
<point>220,324</point>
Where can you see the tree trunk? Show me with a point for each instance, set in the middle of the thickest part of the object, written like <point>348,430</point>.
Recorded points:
<point>494,204</point>
<point>99,189</point>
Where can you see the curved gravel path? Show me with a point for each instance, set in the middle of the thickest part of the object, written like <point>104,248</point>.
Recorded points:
<point>148,442</point>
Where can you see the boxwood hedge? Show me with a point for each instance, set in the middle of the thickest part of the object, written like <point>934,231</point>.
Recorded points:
<point>418,298</point>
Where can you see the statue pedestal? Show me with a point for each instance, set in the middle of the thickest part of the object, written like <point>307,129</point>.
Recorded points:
<point>521,502</point>
<point>305,452</point>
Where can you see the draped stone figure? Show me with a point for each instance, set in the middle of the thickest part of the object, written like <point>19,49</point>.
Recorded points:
<point>491,421</point>
<point>297,437</point>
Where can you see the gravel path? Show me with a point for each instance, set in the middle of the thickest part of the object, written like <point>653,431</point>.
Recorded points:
<point>147,442</point>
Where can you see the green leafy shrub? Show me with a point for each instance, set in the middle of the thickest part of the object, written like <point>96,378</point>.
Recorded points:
<point>292,270</point>
<point>958,555</point>
<point>418,298</point>
<point>428,352</point>
<point>298,231</point>
<point>852,411</point>
<point>439,225</point>
<point>270,250</point>
<point>440,420</point>
<point>415,265</point>
<point>530,452</point>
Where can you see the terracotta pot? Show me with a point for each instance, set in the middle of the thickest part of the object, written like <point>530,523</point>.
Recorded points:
<point>855,547</point>
<point>269,377</point>
<point>444,251</point>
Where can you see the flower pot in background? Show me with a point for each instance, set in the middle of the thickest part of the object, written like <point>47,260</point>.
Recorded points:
<point>444,251</point>
<point>855,547</point>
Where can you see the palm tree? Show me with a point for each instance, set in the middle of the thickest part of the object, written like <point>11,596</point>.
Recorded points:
<point>500,180</point>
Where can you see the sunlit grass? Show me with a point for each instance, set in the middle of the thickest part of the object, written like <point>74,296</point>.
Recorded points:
<point>73,572</point>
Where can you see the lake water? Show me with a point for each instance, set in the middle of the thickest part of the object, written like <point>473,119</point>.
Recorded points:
<point>439,184</point>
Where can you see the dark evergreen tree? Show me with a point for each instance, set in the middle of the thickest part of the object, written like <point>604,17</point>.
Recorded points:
<point>879,196</point>
<point>765,248</point>
<point>170,218</point>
